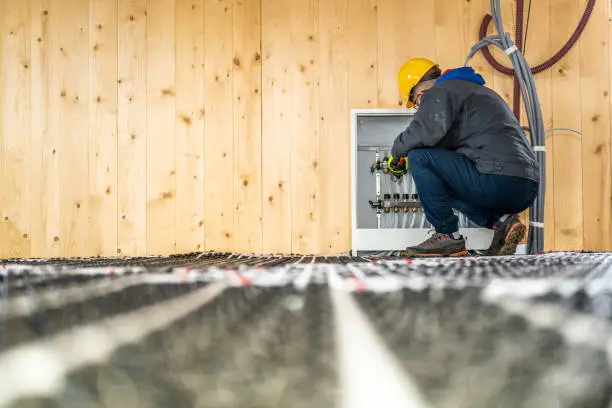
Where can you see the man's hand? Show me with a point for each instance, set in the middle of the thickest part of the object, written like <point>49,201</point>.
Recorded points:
<point>398,166</point>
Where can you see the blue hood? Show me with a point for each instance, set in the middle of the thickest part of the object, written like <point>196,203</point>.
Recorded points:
<point>463,73</point>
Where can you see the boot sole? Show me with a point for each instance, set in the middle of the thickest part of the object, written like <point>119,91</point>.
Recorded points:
<point>454,254</point>
<point>513,237</point>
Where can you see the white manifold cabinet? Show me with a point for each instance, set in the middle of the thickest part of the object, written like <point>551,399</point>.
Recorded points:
<point>386,212</point>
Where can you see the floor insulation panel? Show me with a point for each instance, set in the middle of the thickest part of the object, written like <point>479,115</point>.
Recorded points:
<point>246,331</point>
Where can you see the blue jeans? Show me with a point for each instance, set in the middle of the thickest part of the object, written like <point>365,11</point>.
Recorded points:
<point>447,180</point>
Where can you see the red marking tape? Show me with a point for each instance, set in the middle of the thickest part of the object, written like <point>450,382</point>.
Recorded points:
<point>184,276</point>
<point>244,280</point>
<point>359,285</point>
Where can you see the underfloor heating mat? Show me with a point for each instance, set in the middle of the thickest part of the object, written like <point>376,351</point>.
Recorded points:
<point>245,331</point>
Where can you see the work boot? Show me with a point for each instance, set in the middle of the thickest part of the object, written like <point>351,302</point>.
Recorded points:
<point>506,237</point>
<point>438,245</point>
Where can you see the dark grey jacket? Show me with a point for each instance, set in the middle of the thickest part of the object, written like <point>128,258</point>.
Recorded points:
<point>473,120</point>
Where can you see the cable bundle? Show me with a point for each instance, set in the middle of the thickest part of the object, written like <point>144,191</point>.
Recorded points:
<point>502,40</point>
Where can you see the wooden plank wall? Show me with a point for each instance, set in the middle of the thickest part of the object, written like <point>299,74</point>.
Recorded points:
<point>133,127</point>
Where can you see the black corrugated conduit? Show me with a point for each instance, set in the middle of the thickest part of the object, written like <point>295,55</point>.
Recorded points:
<point>525,83</point>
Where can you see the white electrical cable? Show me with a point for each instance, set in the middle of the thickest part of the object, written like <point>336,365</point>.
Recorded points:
<point>26,304</point>
<point>370,375</point>
<point>413,218</point>
<point>396,190</point>
<point>40,368</point>
<point>406,190</point>
<point>407,185</point>
<point>414,191</point>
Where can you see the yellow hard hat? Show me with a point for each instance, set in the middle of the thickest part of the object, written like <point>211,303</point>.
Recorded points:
<point>410,74</point>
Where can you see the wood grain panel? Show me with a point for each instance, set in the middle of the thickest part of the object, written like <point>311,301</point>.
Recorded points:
<point>276,120</point>
<point>190,125</point>
<point>449,21</point>
<point>132,124</point>
<point>537,50</point>
<point>307,70</point>
<point>15,158</point>
<point>609,27</point>
<point>161,127</point>
<point>473,12</point>
<point>223,124</point>
<point>392,52</point>
<point>595,106</point>
<point>103,78</point>
<point>219,132</point>
<point>3,156</point>
<point>567,156</point>
<point>422,26</point>
<point>362,45</point>
<point>45,95</point>
<point>73,149</point>
<point>248,213</point>
<point>333,189</point>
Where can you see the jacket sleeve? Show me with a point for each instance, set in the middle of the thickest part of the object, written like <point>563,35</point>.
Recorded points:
<point>431,122</point>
